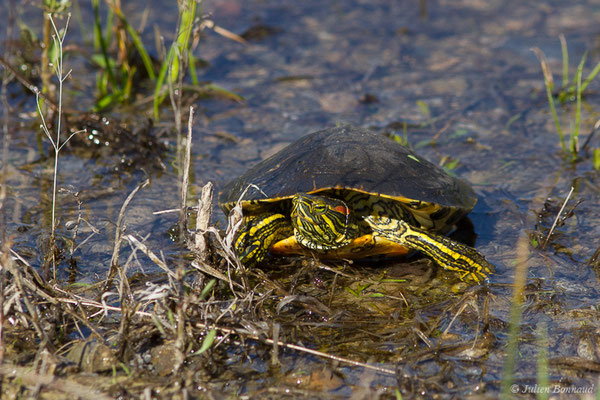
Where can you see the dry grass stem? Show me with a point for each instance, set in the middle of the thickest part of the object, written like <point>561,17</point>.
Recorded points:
<point>186,173</point>
<point>207,23</point>
<point>326,355</point>
<point>31,308</point>
<point>545,67</point>
<point>119,230</point>
<point>203,217</point>
<point>215,273</point>
<point>226,244</point>
<point>74,225</point>
<point>167,211</point>
<point>183,300</point>
<point>462,307</point>
<point>275,351</point>
<point>144,249</point>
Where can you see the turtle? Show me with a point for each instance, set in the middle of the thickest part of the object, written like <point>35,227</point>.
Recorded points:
<point>347,192</point>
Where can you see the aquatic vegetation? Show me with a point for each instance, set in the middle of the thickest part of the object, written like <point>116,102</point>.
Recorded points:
<point>572,89</point>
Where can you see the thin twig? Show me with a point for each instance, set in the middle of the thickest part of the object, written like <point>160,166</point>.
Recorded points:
<point>119,230</point>
<point>119,227</point>
<point>557,217</point>
<point>27,83</point>
<point>591,135</point>
<point>325,355</point>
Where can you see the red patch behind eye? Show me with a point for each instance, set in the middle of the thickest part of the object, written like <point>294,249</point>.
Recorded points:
<point>341,209</point>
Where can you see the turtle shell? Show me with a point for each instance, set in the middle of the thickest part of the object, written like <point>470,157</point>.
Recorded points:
<point>348,158</point>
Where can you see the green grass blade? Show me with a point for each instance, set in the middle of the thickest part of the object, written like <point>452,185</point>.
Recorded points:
<point>106,101</point>
<point>543,380</point>
<point>214,89</point>
<point>512,349</point>
<point>139,45</point>
<point>110,22</point>
<point>188,13</point>
<point>158,88</point>
<point>208,341</point>
<point>99,41</point>
<point>207,289</point>
<point>565,59</point>
<point>561,136</point>
<point>507,387</point>
<point>549,83</point>
<point>590,77</point>
<point>77,15</point>
<point>192,67</point>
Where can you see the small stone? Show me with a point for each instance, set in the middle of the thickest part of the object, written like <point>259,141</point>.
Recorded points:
<point>166,359</point>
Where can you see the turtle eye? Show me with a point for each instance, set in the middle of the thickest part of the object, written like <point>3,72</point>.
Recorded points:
<point>320,208</point>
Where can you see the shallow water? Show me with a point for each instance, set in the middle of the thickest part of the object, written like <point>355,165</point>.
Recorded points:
<point>459,75</point>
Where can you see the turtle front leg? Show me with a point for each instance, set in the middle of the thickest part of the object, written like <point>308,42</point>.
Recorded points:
<point>451,255</point>
<point>257,234</point>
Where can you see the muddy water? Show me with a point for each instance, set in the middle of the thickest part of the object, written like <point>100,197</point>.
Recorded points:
<point>460,80</point>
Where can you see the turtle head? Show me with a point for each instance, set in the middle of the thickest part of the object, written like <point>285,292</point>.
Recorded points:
<point>322,223</point>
